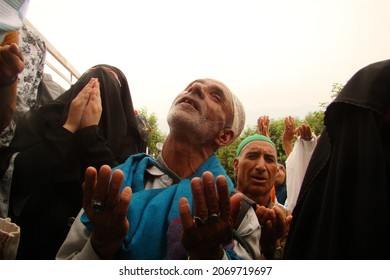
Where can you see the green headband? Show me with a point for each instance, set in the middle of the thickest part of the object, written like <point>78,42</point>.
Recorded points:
<point>254,137</point>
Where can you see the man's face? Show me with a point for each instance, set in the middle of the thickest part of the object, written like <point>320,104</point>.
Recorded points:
<point>203,109</point>
<point>256,169</point>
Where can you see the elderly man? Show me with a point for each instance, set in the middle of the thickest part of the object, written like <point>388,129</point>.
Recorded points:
<point>255,170</point>
<point>144,210</point>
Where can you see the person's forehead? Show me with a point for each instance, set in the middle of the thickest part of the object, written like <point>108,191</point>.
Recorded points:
<point>260,146</point>
<point>281,166</point>
<point>215,84</point>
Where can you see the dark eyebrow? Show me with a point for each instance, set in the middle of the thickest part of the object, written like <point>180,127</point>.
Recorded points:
<point>253,153</point>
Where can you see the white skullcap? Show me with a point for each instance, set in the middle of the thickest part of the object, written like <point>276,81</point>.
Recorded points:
<point>238,117</point>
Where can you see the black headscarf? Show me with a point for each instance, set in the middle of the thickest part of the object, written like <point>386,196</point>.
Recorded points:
<point>117,124</point>
<point>343,209</point>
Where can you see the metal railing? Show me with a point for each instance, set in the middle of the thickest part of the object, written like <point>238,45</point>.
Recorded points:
<point>73,74</point>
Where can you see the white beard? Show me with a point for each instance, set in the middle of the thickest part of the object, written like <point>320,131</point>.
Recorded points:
<point>188,124</point>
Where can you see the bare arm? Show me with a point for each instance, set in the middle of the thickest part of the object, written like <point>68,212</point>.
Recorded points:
<point>288,135</point>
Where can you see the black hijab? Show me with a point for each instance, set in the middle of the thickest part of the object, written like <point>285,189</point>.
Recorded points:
<point>117,124</point>
<point>343,209</point>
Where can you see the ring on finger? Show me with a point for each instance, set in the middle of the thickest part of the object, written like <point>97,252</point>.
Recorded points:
<point>213,218</point>
<point>97,206</point>
<point>199,221</point>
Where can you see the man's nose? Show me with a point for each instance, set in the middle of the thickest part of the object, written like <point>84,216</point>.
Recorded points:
<point>198,89</point>
<point>260,164</point>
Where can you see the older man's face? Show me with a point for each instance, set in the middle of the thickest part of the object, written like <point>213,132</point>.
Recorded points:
<point>256,169</point>
<point>204,107</point>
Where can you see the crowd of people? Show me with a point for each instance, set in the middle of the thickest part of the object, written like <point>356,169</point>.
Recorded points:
<point>77,182</point>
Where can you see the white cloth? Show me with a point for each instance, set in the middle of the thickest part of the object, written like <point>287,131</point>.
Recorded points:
<point>296,165</point>
<point>9,239</point>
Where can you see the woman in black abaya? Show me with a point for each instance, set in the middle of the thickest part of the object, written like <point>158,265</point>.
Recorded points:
<point>49,169</point>
<point>343,209</point>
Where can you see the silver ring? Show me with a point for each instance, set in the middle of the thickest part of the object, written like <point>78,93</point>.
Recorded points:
<point>213,218</point>
<point>199,221</point>
<point>97,206</point>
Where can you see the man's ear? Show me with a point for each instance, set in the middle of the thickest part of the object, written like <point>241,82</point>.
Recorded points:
<point>235,166</point>
<point>224,137</point>
<point>235,171</point>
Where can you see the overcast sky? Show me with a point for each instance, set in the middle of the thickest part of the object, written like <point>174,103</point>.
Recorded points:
<point>280,57</point>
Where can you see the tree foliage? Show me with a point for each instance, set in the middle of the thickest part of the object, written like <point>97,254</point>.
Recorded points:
<point>316,121</point>
<point>336,88</point>
<point>155,134</point>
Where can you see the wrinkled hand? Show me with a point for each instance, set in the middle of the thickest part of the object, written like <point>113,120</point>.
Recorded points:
<point>263,126</point>
<point>110,224</point>
<point>11,63</point>
<point>275,225</point>
<point>80,103</point>
<point>305,132</point>
<point>204,239</point>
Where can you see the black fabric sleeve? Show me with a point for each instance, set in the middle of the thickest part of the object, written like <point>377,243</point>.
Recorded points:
<point>93,149</point>
<point>41,162</point>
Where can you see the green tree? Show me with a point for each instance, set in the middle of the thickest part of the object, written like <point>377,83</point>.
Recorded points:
<point>316,121</point>
<point>336,88</point>
<point>155,134</point>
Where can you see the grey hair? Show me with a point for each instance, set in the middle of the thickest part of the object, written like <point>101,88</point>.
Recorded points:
<point>238,117</point>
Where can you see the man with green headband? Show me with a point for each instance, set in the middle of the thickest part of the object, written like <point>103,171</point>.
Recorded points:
<point>255,169</point>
